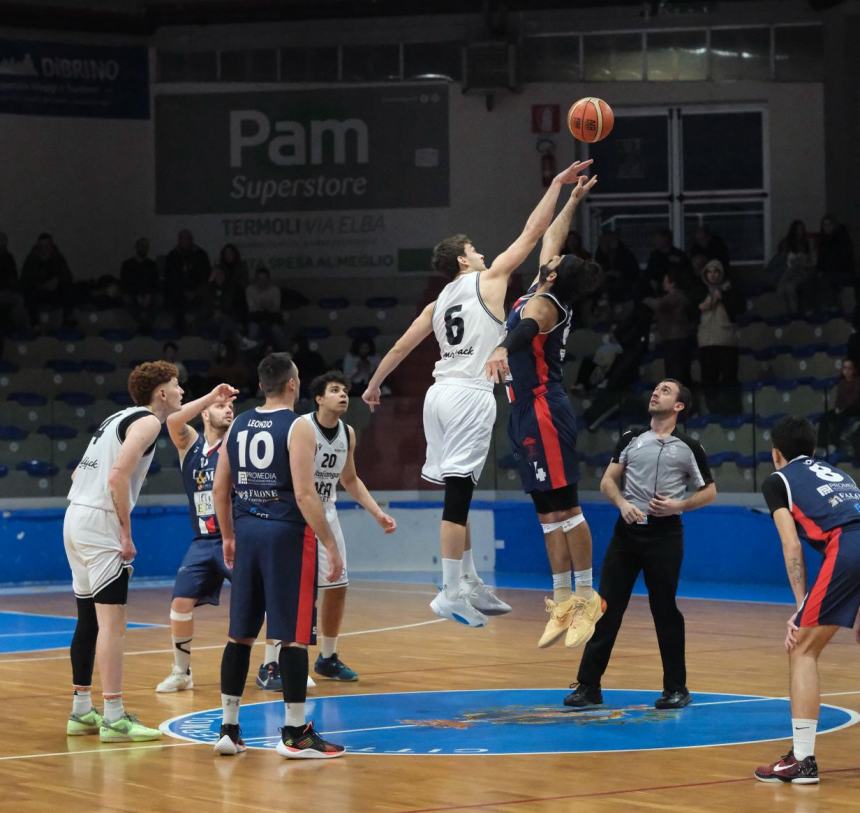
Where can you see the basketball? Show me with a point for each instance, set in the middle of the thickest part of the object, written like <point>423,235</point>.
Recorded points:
<point>590,119</point>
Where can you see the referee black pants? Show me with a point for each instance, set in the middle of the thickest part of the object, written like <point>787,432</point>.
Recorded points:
<point>657,550</point>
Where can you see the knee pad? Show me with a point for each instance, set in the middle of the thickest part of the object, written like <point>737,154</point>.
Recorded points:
<point>549,527</point>
<point>175,616</point>
<point>571,522</point>
<point>458,498</point>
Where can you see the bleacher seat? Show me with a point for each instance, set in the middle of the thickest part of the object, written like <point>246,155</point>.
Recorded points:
<point>57,431</point>
<point>37,468</point>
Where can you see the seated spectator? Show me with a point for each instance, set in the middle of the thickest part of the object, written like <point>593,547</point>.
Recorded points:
<point>236,272</point>
<point>794,265</point>
<point>230,366</point>
<point>619,264</point>
<point>310,363</point>
<point>138,281</point>
<point>186,271</point>
<point>221,308</point>
<point>835,264</point>
<point>13,313</point>
<point>718,340</point>
<point>359,365</point>
<point>263,303</point>
<point>846,405</point>
<point>170,352</point>
<point>711,245</point>
<point>667,257</point>
<point>47,281</point>
<point>674,328</point>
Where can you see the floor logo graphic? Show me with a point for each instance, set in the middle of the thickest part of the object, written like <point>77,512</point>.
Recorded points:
<point>516,721</point>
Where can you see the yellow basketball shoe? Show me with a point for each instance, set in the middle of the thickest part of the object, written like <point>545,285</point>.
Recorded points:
<point>583,618</point>
<point>560,614</point>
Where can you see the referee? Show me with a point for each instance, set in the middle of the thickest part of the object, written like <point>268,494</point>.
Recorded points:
<point>647,479</point>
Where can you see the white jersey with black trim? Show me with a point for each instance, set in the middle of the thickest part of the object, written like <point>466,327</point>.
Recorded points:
<point>467,332</point>
<point>90,486</point>
<point>331,456</point>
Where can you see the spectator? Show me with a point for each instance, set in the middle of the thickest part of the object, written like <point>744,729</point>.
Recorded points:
<point>673,326</point>
<point>836,262</point>
<point>711,245</point>
<point>794,264</point>
<point>186,271</point>
<point>236,272</point>
<point>619,264</point>
<point>263,301</point>
<point>846,405</point>
<point>170,352</point>
<point>13,313</point>
<point>667,257</point>
<point>138,281</point>
<point>47,281</point>
<point>718,340</point>
<point>310,363</point>
<point>221,306</point>
<point>359,364</point>
<point>573,245</point>
<point>230,366</point>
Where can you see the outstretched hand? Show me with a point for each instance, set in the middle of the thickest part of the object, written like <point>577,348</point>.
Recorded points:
<point>570,174</point>
<point>583,186</point>
<point>224,394</point>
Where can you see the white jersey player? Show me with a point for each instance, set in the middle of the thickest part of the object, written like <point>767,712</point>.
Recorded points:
<point>335,463</point>
<point>460,409</point>
<point>99,546</point>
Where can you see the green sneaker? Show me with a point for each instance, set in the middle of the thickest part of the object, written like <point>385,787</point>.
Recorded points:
<point>127,729</point>
<point>80,724</point>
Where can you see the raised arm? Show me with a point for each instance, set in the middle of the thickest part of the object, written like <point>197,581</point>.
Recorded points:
<point>419,330</point>
<point>181,433</point>
<point>356,489</point>
<point>140,436</point>
<point>539,315</point>
<point>556,234</point>
<point>539,220</point>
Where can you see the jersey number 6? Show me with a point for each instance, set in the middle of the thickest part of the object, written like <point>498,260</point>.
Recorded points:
<point>454,325</point>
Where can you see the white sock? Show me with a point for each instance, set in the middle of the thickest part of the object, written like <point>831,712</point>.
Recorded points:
<point>272,652</point>
<point>803,733</point>
<point>467,569</point>
<point>294,714</point>
<point>182,654</point>
<point>82,701</point>
<point>113,709</point>
<point>451,577</point>
<point>582,578</point>
<point>328,645</point>
<point>230,705</point>
<point>561,586</point>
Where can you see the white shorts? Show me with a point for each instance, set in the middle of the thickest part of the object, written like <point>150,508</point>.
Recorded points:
<point>91,539</point>
<point>322,556</point>
<point>458,427</point>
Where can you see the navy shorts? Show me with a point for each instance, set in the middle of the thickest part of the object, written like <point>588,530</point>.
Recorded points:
<point>835,597</point>
<point>542,431</point>
<point>274,577</point>
<point>202,572</point>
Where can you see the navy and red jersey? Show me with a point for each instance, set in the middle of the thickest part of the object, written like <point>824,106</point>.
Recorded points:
<point>540,366</point>
<point>821,498</point>
<point>198,473</point>
<point>257,446</point>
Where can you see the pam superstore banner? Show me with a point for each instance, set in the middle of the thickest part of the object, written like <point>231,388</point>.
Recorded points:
<point>69,79</point>
<point>326,149</point>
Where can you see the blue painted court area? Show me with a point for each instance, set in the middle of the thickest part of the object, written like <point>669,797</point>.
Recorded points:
<point>29,632</point>
<point>516,721</point>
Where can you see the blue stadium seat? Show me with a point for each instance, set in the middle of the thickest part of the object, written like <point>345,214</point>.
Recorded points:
<point>37,468</point>
<point>381,303</point>
<point>195,366</point>
<point>4,470</point>
<point>315,332</point>
<point>57,431</point>
<point>97,366</point>
<point>121,398</point>
<point>363,332</point>
<point>63,365</point>
<point>117,335</point>
<point>27,398</point>
<point>333,303</point>
<point>12,433</point>
<point>76,398</point>
<point>8,366</point>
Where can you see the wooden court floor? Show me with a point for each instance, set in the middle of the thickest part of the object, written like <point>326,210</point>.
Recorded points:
<point>732,648</point>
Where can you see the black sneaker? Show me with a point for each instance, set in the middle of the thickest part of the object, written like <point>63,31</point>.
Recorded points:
<point>269,677</point>
<point>304,743</point>
<point>676,699</point>
<point>788,769</point>
<point>584,696</point>
<point>230,742</point>
<point>334,668</point>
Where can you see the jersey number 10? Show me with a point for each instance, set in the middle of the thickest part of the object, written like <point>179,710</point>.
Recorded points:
<point>261,449</point>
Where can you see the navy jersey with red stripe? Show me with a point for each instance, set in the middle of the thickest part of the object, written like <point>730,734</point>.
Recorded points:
<point>258,448</point>
<point>540,365</point>
<point>198,473</point>
<point>822,498</point>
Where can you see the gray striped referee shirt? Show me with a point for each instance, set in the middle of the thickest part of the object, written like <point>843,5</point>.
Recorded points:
<point>666,466</point>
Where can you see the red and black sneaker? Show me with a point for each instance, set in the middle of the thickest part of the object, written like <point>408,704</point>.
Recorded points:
<point>230,742</point>
<point>788,769</point>
<point>304,743</point>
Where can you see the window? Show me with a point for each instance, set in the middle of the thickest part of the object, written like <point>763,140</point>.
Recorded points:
<point>677,55</point>
<point>740,53</point>
<point>613,57</point>
<point>371,62</point>
<point>552,59</point>
<point>312,64</point>
<point>194,66</point>
<point>799,53</point>
<point>249,66</point>
<point>432,58</point>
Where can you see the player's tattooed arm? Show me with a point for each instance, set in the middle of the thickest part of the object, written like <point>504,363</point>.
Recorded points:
<point>178,423</point>
<point>792,552</point>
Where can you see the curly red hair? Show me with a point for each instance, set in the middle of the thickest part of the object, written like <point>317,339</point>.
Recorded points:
<point>146,378</point>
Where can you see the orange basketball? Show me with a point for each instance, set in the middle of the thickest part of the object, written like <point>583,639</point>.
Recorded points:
<point>590,119</point>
